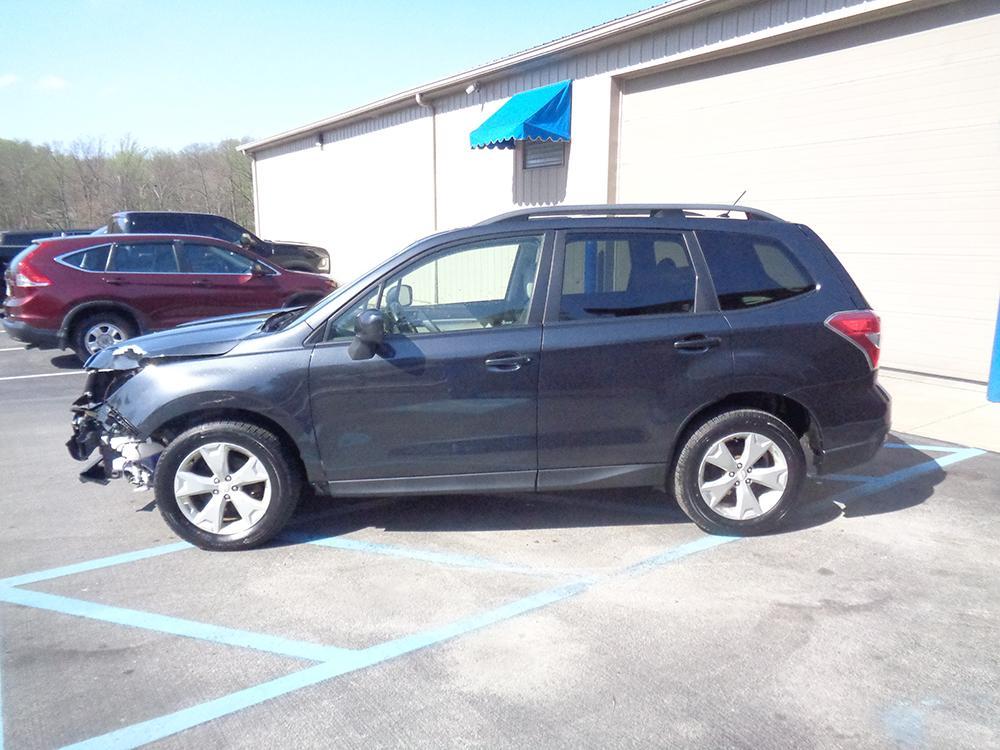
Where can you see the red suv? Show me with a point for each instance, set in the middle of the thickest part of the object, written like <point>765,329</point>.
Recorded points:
<point>87,293</point>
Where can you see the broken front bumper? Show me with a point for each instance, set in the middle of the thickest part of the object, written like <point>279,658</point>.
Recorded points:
<point>120,451</point>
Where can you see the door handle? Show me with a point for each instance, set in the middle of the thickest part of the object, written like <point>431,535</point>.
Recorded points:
<point>112,280</point>
<point>506,362</point>
<point>697,343</point>
<point>202,283</point>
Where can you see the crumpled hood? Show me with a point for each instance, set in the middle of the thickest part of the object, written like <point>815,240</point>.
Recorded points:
<point>201,339</point>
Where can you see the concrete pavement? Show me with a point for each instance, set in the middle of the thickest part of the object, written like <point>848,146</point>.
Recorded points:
<point>943,409</point>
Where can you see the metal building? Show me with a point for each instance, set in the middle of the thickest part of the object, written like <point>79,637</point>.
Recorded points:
<point>876,122</point>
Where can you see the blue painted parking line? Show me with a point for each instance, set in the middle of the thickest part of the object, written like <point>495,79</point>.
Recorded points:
<point>170,625</point>
<point>910,472</point>
<point>334,661</point>
<point>915,447</point>
<point>417,641</point>
<point>677,553</point>
<point>164,726</point>
<point>441,558</point>
<point>103,562</point>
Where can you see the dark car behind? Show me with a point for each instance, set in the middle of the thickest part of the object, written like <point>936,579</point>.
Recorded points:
<point>295,256</point>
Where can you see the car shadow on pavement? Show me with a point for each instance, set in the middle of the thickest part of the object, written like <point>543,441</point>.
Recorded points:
<point>464,513</point>
<point>900,478</point>
<point>66,362</point>
<point>896,479</point>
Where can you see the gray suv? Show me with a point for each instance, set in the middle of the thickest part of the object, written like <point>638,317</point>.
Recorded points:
<point>716,353</point>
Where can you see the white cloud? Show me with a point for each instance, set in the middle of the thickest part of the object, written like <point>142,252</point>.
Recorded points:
<point>51,83</point>
<point>7,79</point>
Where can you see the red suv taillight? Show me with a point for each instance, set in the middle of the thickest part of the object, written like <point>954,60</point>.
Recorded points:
<point>27,275</point>
<point>862,328</point>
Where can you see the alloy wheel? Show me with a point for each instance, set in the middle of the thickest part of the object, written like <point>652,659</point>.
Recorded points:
<point>101,336</point>
<point>743,476</point>
<point>222,488</point>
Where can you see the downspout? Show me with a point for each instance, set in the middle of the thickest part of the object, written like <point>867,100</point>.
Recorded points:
<point>434,171</point>
<point>256,197</point>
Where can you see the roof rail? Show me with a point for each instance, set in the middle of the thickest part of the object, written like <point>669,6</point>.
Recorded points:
<point>651,210</point>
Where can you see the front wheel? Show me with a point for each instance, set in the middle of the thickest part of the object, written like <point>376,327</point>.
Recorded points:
<point>739,473</point>
<point>226,485</point>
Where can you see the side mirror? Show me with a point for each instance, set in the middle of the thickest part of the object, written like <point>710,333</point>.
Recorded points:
<point>369,333</point>
<point>246,240</point>
<point>399,295</point>
<point>405,297</point>
<point>258,270</point>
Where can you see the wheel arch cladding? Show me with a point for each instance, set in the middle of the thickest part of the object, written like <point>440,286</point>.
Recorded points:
<point>87,309</point>
<point>788,410</point>
<point>174,426</point>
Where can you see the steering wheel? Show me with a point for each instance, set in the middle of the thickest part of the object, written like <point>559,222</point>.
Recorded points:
<point>423,319</point>
<point>399,321</point>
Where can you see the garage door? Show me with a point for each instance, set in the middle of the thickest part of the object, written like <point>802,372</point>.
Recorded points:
<point>885,139</point>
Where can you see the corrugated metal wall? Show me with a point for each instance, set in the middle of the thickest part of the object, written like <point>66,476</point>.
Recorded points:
<point>375,173</point>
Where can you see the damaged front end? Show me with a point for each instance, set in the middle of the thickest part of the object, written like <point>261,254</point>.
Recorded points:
<point>97,426</point>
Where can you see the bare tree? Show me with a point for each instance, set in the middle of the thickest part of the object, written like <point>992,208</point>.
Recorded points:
<point>56,187</point>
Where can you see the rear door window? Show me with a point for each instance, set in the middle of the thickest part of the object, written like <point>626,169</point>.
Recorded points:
<point>626,274</point>
<point>211,259</point>
<point>146,257</point>
<point>749,271</point>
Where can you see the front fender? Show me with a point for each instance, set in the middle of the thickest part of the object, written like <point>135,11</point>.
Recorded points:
<point>273,385</point>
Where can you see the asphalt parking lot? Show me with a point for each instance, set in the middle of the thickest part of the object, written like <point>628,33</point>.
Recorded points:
<point>599,619</point>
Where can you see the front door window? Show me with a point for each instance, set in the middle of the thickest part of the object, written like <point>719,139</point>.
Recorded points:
<point>470,287</point>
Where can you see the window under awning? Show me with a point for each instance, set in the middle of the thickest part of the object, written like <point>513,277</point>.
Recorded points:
<point>542,114</point>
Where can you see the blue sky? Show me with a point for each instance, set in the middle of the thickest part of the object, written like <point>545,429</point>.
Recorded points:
<point>174,72</point>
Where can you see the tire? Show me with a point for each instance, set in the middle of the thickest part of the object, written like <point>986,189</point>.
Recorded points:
<point>117,326</point>
<point>242,515</point>
<point>699,476</point>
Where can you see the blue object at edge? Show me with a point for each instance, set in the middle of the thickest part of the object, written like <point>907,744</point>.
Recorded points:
<point>993,390</point>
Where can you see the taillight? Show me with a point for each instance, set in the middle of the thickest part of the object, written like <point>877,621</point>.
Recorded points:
<point>28,276</point>
<point>862,328</point>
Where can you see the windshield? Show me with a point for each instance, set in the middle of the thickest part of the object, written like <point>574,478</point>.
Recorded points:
<point>100,230</point>
<point>287,318</point>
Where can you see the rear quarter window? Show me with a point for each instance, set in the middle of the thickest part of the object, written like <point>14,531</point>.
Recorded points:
<point>92,259</point>
<point>749,271</point>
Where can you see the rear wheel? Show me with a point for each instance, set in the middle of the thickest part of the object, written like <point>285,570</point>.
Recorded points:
<point>739,473</point>
<point>226,485</point>
<point>98,331</point>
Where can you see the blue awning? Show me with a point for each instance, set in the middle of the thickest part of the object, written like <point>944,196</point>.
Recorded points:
<point>542,114</point>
